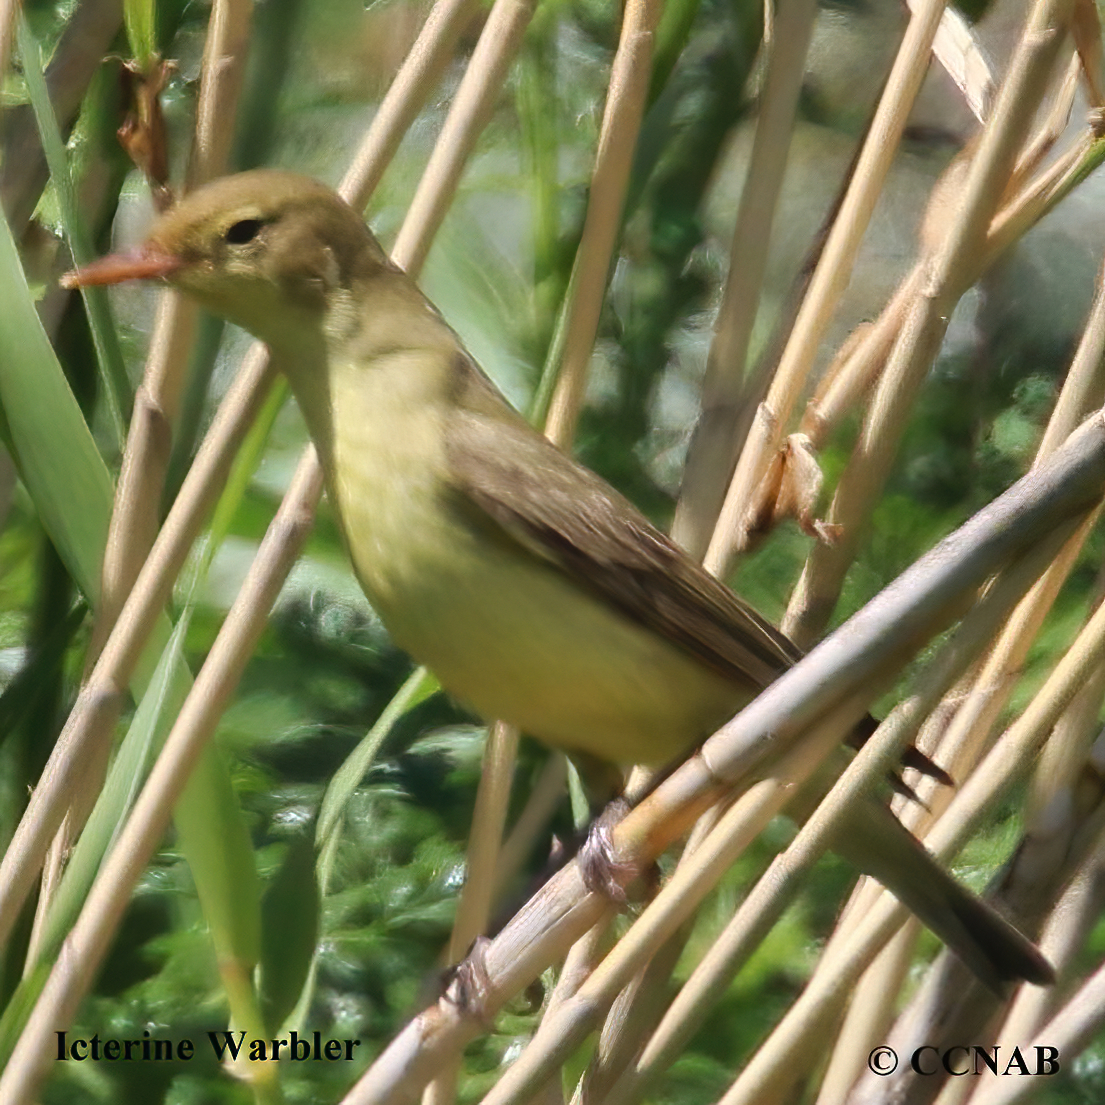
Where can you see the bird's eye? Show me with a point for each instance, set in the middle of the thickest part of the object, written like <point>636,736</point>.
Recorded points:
<point>245,230</point>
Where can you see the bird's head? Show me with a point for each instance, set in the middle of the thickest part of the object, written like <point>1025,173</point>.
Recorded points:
<point>263,249</point>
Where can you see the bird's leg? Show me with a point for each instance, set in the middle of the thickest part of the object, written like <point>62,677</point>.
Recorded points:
<point>603,872</point>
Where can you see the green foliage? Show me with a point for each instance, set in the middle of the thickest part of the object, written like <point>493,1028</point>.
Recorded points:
<point>289,927</point>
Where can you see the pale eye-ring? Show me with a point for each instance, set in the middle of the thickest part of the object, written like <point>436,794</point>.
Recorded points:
<point>243,231</point>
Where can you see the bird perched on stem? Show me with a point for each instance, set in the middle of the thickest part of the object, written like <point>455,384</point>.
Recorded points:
<point>533,590</point>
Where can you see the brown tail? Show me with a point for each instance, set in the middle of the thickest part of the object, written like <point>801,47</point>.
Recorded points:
<point>877,842</point>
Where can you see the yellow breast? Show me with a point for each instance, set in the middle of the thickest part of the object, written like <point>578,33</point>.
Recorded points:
<point>505,632</point>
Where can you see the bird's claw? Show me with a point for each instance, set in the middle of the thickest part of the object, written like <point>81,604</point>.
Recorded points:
<point>602,871</point>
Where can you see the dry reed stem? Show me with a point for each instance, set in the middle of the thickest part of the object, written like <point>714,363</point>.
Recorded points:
<point>482,862</point>
<point>957,49</point>
<point>399,108</point>
<point>627,94</point>
<point>423,65</point>
<point>1083,388</point>
<point>863,479</point>
<point>561,911</point>
<point>870,1012</point>
<point>741,824</point>
<point>469,113</point>
<point>87,942</point>
<point>768,1071</point>
<point>830,279</point>
<point>621,122</point>
<point>135,517</point>
<point>1086,31</point>
<point>857,365</point>
<point>1070,1031</point>
<point>942,1011</point>
<point>1060,851</point>
<point>135,520</point>
<point>131,532</point>
<point>1050,130</point>
<point>580,962</point>
<point>860,360</point>
<point>767,900</point>
<point>443,1089</point>
<point>922,610</point>
<point>622,116</point>
<point>630,73</point>
<point>135,514</point>
<point>1064,936</point>
<point>1053,183</point>
<point>1052,809</point>
<point>225,49</point>
<point>865,358</point>
<point>101,699</point>
<point>541,804</point>
<point>578,966</point>
<point>965,736</point>
<point>637,1011</point>
<point>713,446</point>
<point>805,1023</point>
<point>843,666</point>
<point>1012,755</point>
<point>632,1018</point>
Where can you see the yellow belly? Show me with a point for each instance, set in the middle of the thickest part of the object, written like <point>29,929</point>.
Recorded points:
<point>518,641</point>
<point>504,631</point>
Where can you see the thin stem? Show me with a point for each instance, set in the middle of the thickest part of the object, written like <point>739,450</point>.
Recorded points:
<point>847,665</point>
<point>468,115</point>
<point>925,325</point>
<point>621,123</point>
<point>88,940</point>
<point>713,449</point>
<point>830,278</point>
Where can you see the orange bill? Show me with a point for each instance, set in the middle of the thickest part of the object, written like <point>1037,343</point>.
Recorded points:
<point>143,263</point>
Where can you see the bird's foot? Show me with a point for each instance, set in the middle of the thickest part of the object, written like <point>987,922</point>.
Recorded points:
<point>603,872</point>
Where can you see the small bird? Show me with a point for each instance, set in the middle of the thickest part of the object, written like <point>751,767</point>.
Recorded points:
<point>534,591</point>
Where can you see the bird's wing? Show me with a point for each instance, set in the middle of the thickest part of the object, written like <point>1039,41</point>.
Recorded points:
<point>570,518</point>
<point>561,512</point>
